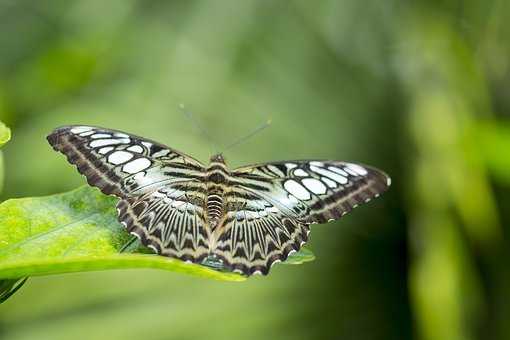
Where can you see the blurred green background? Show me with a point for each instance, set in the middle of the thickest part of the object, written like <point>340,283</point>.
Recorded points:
<point>417,88</point>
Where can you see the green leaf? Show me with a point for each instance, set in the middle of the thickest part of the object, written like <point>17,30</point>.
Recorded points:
<point>78,231</point>
<point>5,134</point>
<point>1,171</point>
<point>302,256</point>
<point>10,286</point>
<point>73,232</point>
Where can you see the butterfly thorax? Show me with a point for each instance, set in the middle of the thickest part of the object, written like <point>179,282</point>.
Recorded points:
<point>217,176</point>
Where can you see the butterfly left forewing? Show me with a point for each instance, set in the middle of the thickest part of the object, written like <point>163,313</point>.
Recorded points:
<point>122,164</point>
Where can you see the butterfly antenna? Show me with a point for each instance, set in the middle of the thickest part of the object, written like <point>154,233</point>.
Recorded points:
<point>248,136</point>
<point>199,126</point>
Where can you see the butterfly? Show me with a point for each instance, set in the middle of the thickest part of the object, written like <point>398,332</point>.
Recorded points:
<point>242,220</point>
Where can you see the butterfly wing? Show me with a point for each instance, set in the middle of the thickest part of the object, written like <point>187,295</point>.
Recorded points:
<point>255,234</point>
<point>170,220</point>
<point>161,189</point>
<point>122,164</point>
<point>270,207</point>
<point>313,191</point>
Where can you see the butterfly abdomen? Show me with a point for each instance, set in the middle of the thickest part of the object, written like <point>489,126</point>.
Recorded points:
<point>217,180</point>
<point>214,207</point>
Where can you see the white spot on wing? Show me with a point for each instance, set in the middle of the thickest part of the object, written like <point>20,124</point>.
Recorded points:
<point>139,176</point>
<point>239,215</point>
<point>296,189</point>
<point>357,169</point>
<point>119,157</point>
<point>351,172</point>
<point>286,201</point>
<point>106,149</point>
<point>300,173</point>
<point>147,144</point>
<point>135,148</point>
<point>314,185</point>
<point>122,135</point>
<point>338,171</point>
<point>330,183</point>
<point>293,199</point>
<point>275,170</point>
<point>161,153</point>
<point>159,194</point>
<point>87,133</point>
<point>105,142</point>
<point>290,165</point>
<point>80,129</point>
<point>101,135</point>
<point>334,176</point>
<point>316,163</point>
<point>137,165</point>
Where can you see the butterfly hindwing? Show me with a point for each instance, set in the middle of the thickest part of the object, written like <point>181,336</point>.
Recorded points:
<point>122,164</point>
<point>313,191</point>
<point>170,220</point>
<point>255,234</point>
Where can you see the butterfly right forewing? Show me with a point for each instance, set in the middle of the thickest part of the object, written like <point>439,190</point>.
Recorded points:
<point>313,191</point>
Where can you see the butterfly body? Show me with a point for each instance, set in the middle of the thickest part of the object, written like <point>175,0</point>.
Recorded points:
<point>217,175</point>
<point>242,220</point>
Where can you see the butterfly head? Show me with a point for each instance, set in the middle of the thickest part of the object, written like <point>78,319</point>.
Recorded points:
<point>218,158</point>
